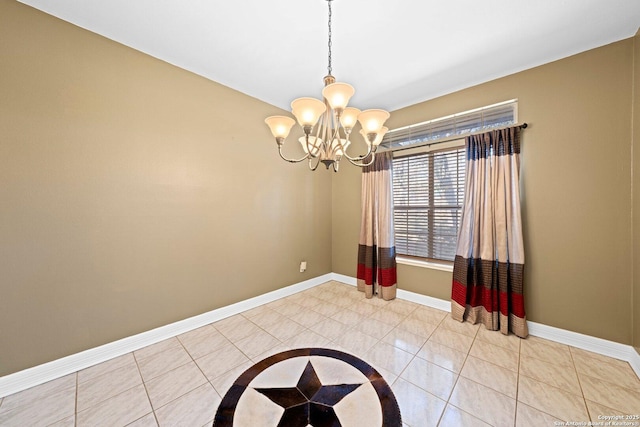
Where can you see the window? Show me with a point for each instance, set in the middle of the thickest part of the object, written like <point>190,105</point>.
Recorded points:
<point>428,178</point>
<point>428,191</point>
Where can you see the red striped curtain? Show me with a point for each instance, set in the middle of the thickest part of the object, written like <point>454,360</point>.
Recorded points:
<point>376,246</point>
<point>488,268</point>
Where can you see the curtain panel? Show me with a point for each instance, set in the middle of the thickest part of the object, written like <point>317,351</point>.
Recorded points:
<point>376,246</point>
<point>488,268</point>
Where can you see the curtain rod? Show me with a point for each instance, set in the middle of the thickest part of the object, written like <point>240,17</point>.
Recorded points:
<point>454,138</point>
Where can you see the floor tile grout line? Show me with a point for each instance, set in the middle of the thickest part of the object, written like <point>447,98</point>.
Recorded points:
<point>75,408</point>
<point>484,385</point>
<point>155,417</point>
<point>207,380</point>
<point>146,390</point>
<point>584,399</point>
<point>484,341</point>
<point>599,360</point>
<point>446,402</point>
<point>199,369</point>
<point>492,363</point>
<point>546,385</point>
<point>98,376</point>
<point>111,397</point>
<point>538,409</point>
<point>609,382</point>
<point>578,378</point>
<point>469,413</point>
<point>458,378</point>
<point>605,382</point>
<point>515,415</point>
<point>578,373</point>
<point>556,387</point>
<point>457,374</point>
<point>575,369</point>
<point>543,360</point>
<point>554,345</point>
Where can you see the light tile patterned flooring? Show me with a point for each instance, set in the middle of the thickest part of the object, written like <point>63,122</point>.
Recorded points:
<point>442,372</point>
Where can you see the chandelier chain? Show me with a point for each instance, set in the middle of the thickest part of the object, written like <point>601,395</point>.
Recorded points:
<point>329,44</point>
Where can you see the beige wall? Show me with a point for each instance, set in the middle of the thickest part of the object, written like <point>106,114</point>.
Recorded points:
<point>575,190</point>
<point>345,204</point>
<point>134,194</point>
<point>636,193</point>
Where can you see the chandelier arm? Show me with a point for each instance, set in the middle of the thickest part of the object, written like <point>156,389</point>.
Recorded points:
<point>291,160</point>
<point>334,137</point>
<point>324,128</point>
<point>309,151</point>
<point>373,156</point>
<point>313,168</point>
<point>359,158</point>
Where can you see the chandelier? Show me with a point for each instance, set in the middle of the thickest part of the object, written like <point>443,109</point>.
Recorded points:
<point>333,122</point>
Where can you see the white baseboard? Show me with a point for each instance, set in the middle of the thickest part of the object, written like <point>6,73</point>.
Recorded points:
<point>634,361</point>
<point>40,374</point>
<point>586,342</point>
<point>344,279</point>
<point>438,303</point>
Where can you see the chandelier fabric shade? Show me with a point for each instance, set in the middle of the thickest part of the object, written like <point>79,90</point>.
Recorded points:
<point>328,123</point>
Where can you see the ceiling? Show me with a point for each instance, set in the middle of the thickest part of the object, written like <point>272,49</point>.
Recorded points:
<point>395,53</point>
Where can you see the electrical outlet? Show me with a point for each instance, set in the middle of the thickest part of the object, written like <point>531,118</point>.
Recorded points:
<point>303,266</point>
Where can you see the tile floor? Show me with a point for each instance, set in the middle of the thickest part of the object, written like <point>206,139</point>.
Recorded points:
<point>443,373</point>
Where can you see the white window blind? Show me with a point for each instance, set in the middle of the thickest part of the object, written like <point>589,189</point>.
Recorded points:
<point>453,126</point>
<point>428,192</point>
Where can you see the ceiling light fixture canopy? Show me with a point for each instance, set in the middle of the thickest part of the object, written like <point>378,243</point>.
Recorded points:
<point>333,122</point>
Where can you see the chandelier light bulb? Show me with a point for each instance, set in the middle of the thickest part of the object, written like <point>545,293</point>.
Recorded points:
<point>338,95</point>
<point>307,110</point>
<point>280,126</point>
<point>372,120</point>
<point>349,117</point>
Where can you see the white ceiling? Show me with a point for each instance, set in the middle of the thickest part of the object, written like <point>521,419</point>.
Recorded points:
<point>395,53</point>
